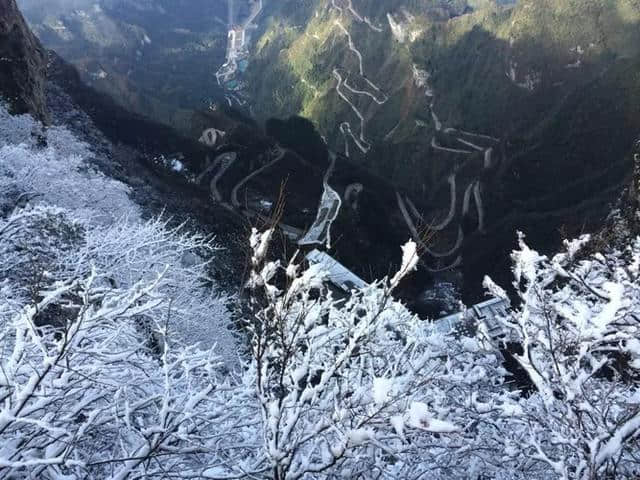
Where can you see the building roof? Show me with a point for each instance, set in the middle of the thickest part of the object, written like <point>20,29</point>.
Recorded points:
<point>487,312</point>
<point>338,274</point>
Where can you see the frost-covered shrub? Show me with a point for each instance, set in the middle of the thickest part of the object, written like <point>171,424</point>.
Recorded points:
<point>66,194</point>
<point>107,324</point>
<point>34,243</point>
<point>41,244</point>
<point>361,388</point>
<point>100,355</point>
<point>90,399</point>
<point>579,327</point>
<point>56,172</point>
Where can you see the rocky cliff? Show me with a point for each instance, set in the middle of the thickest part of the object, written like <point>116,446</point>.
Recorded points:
<point>154,57</point>
<point>22,64</point>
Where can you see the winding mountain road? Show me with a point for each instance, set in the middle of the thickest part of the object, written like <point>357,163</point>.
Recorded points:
<point>225,161</point>
<point>471,145</point>
<point>352,46</point>
<point>414,232</point>
<point>352,194</point>
<point>328,210</point>
<point>436,145</point>
<point>382,101</point>
<point>356,15</point>
<point>477,198</point>
<point>378,97</point>
<point>471,134</point>
<point>362,144</point>
<point>488,155</point>
<point>280,153</point>
<point>451,179</point>
<point>436,121</point>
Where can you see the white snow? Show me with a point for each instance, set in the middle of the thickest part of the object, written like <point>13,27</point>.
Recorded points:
<point>360,436</point>
<point>382,388</point>
<point>607,315</point>
<point>420,418</point>
<point>410,259</point>
<point>397,422</point>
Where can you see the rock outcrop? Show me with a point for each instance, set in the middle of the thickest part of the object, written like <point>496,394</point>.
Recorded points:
<point>22,64</point>
<point>623,223</point>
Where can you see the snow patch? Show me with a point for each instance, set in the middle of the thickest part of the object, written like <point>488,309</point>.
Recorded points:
<point>420,418</point>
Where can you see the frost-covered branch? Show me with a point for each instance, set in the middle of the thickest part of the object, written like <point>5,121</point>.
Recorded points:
<point>355,385</point>
<point>577,324</point>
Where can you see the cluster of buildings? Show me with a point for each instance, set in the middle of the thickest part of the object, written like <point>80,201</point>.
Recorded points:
<point>237,59</point>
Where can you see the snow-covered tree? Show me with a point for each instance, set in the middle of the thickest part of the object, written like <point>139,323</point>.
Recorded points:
<point>115,360</point>
<point>95,382</point>
<point>359,387</point>
<point>579,327</point>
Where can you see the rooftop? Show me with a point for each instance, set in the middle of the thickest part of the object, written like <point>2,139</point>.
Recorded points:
<point>486,312</point>
<point>338,274</point>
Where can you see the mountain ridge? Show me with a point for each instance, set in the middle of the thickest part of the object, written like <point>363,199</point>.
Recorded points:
<point>479,118</point>
<point>504,98</point>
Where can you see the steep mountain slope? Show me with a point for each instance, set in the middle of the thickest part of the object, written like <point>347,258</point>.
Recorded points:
<point>471,119</point>
<point>153,159</point>
<point>490,117</point>
<point>122,145</point>
<point>22,63</point>
<point>155,57</point>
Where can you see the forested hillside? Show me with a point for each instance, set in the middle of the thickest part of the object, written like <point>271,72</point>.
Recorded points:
<point>529,109</point>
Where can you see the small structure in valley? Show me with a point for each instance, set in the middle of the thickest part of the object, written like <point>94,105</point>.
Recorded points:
<point>337,274</point>
<point>486,312</point>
